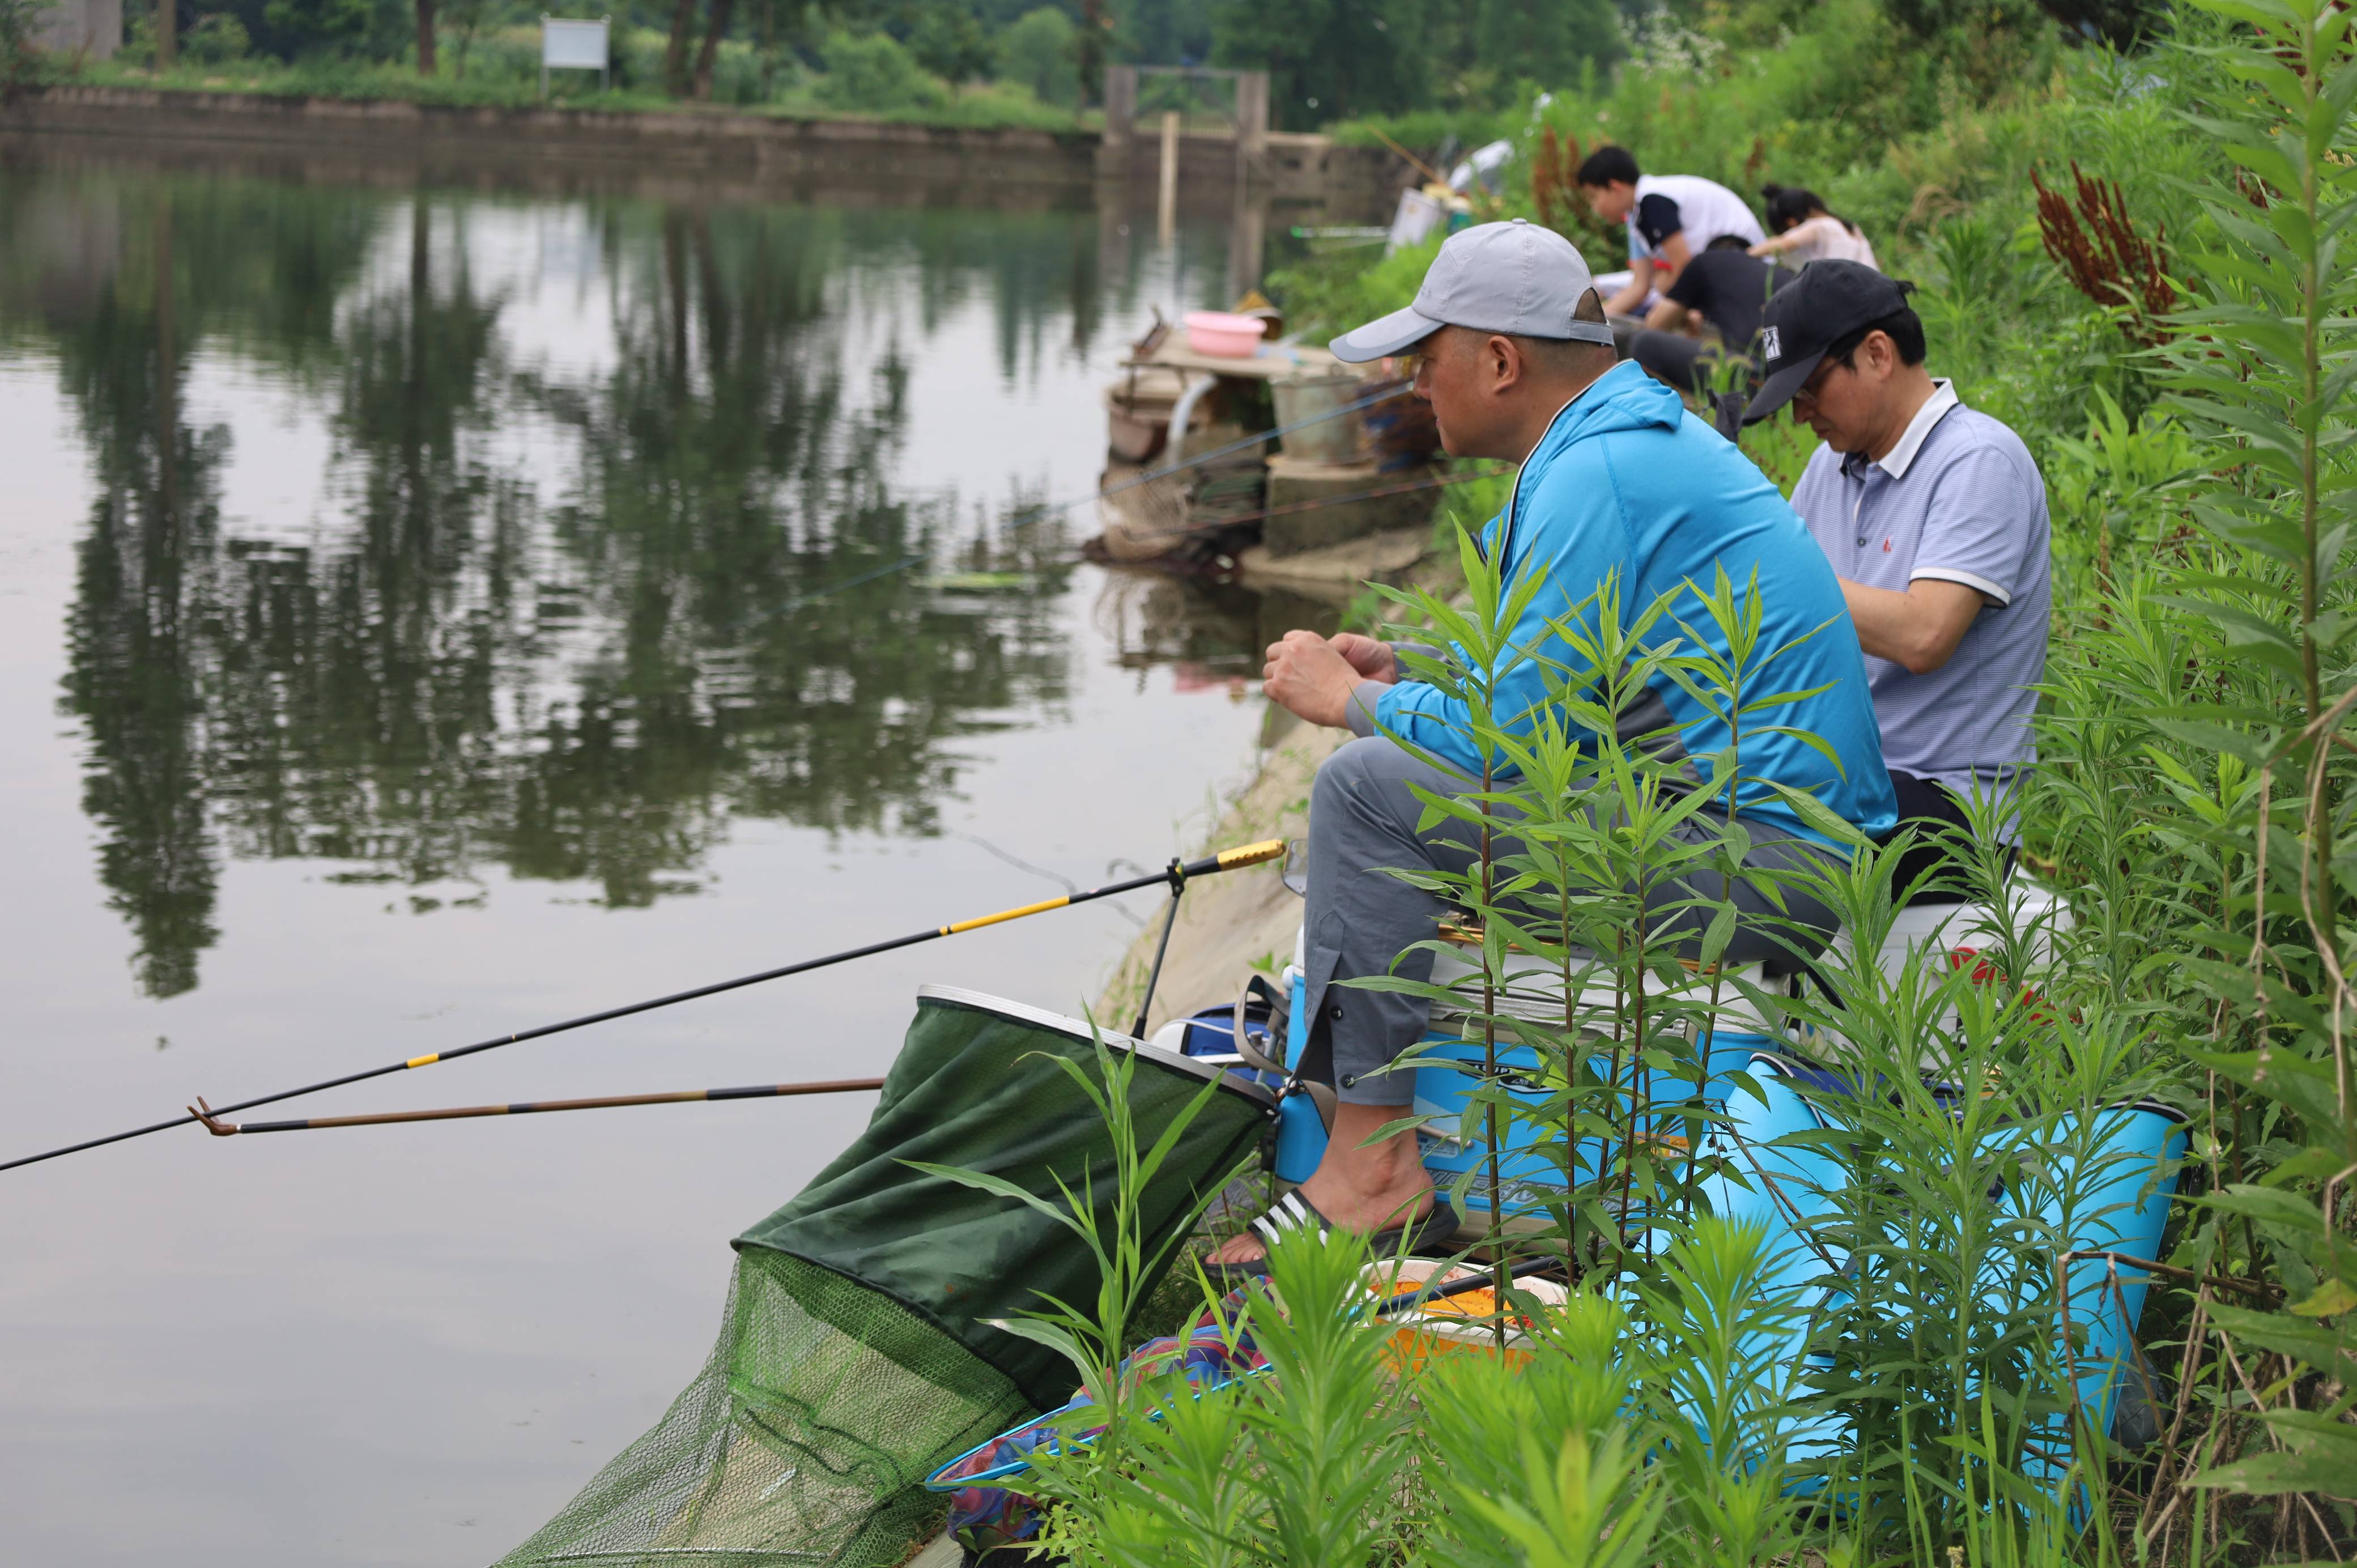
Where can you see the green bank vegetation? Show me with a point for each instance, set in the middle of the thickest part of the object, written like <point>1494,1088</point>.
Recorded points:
<point>1894,1371</point>
<point>957,61</point>
<point>850,75</point>
<point>946,62</point>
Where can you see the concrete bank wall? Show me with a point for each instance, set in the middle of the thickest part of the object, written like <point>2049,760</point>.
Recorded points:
<point>731,142</point>
<point>1356,180</point>
<point>1291,164</point>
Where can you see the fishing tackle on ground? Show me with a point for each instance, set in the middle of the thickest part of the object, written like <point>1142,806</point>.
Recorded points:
<point>858,1351</point>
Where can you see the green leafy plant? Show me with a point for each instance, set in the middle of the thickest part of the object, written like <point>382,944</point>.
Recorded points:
<point>873,72</point>
<point>1040,49</point>
<point>19,21</point>
<point>1095,1336</point>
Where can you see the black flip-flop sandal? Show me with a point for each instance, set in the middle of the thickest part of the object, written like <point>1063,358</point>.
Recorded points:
<point>1292,1212</point>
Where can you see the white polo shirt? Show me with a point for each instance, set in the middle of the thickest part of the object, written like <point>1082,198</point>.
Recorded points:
<point>1701,209</point>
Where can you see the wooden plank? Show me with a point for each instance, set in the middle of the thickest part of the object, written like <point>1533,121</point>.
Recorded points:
<point>1276,361</point>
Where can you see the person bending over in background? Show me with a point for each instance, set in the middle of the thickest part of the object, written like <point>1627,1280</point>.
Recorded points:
<point>1934,516</point>
<point>1671,219</point>
<point>1807,233</point>
<point>1724,291</point>
<point>1619,485</point>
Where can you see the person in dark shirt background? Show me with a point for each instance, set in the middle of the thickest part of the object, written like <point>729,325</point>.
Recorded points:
<point>1711,314</point>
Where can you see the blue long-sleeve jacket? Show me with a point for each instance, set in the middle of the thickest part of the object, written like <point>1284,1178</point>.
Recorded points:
<point>1628,485</point>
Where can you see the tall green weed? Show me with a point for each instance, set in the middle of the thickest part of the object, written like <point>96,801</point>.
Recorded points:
<point>2194,809</point>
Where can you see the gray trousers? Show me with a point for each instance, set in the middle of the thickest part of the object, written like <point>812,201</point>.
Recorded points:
<point>1362,819</point>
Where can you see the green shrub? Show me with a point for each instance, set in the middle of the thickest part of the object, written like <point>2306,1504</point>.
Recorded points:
<point>1038,50</point>
<point>217,39</point>
<point>869,73</point>
<point>2196,801</point>
<point>19,18</point>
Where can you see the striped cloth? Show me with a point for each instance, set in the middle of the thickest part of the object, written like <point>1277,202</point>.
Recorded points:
<point>1216,1349</point>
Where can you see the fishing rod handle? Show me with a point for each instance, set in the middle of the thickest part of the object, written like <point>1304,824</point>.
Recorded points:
<point>1242,854</point>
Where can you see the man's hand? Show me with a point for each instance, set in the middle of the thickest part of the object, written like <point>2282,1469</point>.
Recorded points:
<point>1313,677</point>
<point>1374,660</point>
<point>1641,284</point>
<point>1669,316</point>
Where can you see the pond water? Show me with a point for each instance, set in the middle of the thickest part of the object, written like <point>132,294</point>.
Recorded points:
<point>428,612</point>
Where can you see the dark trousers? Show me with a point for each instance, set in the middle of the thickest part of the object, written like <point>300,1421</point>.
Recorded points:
<point>1366,815</point>
<point>1670,358</point>
<point>1929,805</point>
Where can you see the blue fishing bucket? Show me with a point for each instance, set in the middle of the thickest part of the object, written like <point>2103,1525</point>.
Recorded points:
<point>2111,1204</point>
<point>2104,1192</point>
<point>1783,1187</point>
<point>1528,1175</point>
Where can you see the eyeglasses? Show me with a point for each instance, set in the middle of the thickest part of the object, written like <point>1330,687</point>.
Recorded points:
<point>1816,383</point>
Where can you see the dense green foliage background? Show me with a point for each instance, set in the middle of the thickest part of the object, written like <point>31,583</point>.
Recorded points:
<point>2195,805</point>
<point>1025,60</point>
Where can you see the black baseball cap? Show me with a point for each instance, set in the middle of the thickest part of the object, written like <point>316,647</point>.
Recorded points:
<point>1826,302</point>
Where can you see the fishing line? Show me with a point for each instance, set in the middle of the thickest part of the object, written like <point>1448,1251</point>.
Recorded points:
<point>1174,877</point>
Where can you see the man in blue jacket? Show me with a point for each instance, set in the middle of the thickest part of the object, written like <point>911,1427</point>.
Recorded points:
<point>1619,484</point>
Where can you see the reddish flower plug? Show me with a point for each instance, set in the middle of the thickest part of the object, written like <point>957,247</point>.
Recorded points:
<point>2093,238</point>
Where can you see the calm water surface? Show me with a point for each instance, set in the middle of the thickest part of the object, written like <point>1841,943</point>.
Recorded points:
<point>427,614</point>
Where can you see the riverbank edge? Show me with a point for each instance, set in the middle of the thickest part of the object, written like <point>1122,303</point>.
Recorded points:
<point>787,145</point>
<point>1296,167</point>
<point>1240,922</point>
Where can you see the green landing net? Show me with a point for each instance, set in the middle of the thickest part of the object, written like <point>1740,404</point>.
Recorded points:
<point>856,1356</point>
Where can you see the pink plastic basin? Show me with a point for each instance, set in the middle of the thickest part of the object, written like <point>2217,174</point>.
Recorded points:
<point>1221,336</point>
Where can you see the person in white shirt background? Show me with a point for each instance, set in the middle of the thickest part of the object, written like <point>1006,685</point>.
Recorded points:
<point>1671,217</point>
<point>1806,231</point>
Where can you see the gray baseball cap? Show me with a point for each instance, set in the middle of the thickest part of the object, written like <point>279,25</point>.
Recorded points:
<point>1495,278</point>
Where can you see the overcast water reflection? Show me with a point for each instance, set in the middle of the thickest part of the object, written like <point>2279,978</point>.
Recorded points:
<point>426,614</point>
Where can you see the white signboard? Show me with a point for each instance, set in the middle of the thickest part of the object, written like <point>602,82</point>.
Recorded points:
<point>572,46</point>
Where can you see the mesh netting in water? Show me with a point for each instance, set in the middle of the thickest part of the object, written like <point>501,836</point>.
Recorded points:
<point>857,1354</point>
<point>804,1439</point>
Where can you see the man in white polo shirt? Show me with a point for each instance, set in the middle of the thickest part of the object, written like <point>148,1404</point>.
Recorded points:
<point>1934,518</point>
<point>1671,219</point>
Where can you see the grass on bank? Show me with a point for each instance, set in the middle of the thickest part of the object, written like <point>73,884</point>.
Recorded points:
<point>502,70</point>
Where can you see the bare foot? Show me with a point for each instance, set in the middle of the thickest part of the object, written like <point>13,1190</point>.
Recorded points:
<point>1365,1189</point>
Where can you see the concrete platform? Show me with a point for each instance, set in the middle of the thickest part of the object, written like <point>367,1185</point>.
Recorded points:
<point>1334,574</point>
<point>1364,499</point>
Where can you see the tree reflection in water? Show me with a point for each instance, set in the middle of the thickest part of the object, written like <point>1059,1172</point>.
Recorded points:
<point>471,664</point>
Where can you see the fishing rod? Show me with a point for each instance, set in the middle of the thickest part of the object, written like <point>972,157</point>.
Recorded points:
<point>1174,877</point>
<point>221,1129</point>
